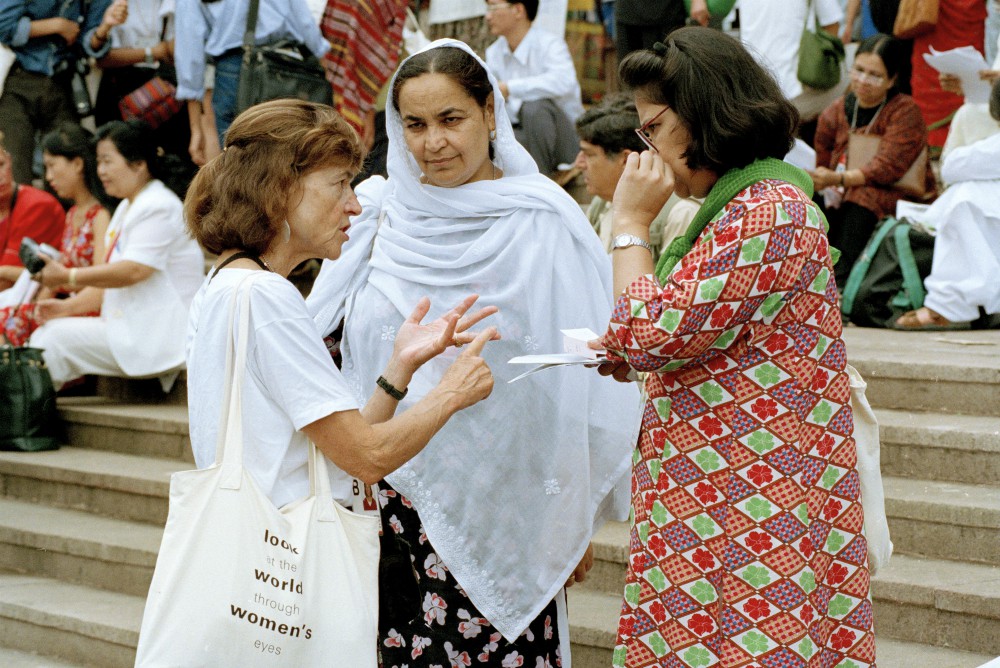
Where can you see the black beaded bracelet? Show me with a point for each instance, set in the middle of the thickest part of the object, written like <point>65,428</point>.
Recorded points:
<point>390,389</point>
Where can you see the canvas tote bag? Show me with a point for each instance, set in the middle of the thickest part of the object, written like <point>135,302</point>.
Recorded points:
<point>239,582</point>
<point>866,439</point>
<point>915,18</point>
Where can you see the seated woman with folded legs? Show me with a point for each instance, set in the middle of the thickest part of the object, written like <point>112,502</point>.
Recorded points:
<point>857,198</point>
<point>143,291</point>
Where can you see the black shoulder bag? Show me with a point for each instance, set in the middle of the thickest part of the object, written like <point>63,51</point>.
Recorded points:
<point>285,69</point>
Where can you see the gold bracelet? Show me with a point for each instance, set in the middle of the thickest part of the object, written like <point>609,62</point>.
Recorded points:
<point>72,278</point>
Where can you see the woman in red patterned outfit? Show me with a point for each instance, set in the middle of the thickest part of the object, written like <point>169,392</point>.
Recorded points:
<point>71,171</point>
<point>746,544</point>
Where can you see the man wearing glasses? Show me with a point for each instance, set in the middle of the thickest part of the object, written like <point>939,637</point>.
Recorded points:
<point>538,80</point>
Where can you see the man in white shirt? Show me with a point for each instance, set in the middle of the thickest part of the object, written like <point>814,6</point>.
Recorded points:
<point>538,80</point>
<point>772,29</point>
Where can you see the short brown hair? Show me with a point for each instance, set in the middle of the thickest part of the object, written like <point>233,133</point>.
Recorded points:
<point>241,197</point>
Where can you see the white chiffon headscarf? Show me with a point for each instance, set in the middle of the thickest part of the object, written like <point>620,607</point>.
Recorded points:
<point>510,490</point>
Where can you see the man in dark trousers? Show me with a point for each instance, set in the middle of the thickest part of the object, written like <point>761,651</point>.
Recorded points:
<point>641,23</point>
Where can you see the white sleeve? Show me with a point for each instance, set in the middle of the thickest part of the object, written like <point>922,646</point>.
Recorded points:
<point>975,162</point>
<point>829,11</point>
<point>149,239</point>
<point>289,358</point>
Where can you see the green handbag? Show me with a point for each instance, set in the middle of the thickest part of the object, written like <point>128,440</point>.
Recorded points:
<point>28,418</point>
<point>820,55</point>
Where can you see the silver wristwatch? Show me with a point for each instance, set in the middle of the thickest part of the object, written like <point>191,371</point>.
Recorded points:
<point>626,240</point>
<point>149,60</point>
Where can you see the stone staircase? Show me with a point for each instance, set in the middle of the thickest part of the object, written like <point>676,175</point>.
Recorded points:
<point>80,527</point>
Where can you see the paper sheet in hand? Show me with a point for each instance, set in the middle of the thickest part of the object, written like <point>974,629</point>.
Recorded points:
<point>577,352</point>
<point>966,63</point>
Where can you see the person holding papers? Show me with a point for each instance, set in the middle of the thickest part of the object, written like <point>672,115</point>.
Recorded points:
<point>499,510</point>
<point>746,546</point>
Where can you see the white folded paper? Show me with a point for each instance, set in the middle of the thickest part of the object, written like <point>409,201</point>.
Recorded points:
<point>966,63</point>
<point>575,352</point>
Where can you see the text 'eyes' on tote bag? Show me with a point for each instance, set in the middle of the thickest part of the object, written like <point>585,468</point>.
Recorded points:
<point>239,582</point>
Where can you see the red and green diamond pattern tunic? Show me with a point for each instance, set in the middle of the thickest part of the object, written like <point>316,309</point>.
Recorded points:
<point>746,543</point>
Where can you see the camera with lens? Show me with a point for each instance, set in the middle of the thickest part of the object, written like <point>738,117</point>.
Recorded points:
<point>31,251</point>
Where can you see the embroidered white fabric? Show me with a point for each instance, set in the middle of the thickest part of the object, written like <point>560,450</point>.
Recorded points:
<point>511,489</point>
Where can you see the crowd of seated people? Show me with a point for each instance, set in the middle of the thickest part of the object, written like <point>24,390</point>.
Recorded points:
<point>50,190</point>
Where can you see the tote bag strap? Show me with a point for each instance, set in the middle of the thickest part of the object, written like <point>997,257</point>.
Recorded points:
<point>229,447</point>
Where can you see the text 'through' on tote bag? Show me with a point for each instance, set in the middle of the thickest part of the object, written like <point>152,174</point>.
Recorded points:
<point>239,582</point>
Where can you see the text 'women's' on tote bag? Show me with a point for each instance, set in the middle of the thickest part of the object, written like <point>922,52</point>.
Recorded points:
<point>239,582</point>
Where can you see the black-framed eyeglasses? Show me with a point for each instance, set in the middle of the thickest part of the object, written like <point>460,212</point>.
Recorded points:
<point>643,131</point>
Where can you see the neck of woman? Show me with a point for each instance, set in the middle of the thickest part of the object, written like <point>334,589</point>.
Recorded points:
<point>870,104</point>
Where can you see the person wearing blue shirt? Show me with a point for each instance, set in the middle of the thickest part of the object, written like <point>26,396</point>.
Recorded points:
<point>212,30</point>
<point>47,37</point>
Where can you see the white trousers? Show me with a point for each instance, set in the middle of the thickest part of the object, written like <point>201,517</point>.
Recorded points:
<point>75,347</point>
<point>966,257</point>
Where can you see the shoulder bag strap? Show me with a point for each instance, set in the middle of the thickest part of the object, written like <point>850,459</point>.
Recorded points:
<point>229,445</point>
<point>913,286</point>
<point>860,268</point>
<point>248,34</point>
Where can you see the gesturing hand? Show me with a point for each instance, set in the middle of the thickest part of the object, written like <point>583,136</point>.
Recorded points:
<point>469,377</point>
<point>417,343</point>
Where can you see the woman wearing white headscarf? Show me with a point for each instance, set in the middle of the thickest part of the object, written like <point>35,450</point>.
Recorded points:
<point>499,510</point>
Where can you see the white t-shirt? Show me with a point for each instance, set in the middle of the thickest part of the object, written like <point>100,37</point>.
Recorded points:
<point>291,381</point>
<point>773,28</point>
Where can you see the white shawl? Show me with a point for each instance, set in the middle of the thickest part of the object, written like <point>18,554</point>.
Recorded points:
<point>511,489</point>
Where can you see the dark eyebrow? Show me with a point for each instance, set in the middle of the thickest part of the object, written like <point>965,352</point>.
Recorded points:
<point>449,111</point>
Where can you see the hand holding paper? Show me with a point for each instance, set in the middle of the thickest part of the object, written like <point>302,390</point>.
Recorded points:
<point>576,351</point>
<point>965,63</point>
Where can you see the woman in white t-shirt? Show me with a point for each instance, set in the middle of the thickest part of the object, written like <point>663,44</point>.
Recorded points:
<point>280,193</point>
<point>144,289</point>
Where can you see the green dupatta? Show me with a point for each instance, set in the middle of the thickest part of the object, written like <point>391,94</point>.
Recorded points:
<point>725,189</point>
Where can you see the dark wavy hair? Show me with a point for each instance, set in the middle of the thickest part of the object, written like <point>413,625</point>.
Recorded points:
<point>137,143</point>
<point>611,125</point>
<point>457,64</point>
<point>731,106</point>
<point>70,141</point>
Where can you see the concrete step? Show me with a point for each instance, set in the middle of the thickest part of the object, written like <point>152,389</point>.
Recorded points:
<point>143,390</point>
<point>106,483</point>
<point>77,624</point>
<point>944,372</point>
<point>14,659</point>
<point>944,520</point>
<point>936,446</point>
<point>154,430</point>
<point>75,546</point>
<point>594,621</point>
<point>938,602</point>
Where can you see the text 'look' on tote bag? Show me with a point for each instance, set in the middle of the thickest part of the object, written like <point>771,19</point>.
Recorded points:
<point>239,582</point>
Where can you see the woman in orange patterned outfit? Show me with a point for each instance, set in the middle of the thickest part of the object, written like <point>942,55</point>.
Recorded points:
<point>746,544</point>
<point>71,170</point>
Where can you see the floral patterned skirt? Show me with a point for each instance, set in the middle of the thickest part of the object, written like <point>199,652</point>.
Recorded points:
<point>451,632</point>
<point>18,323</point>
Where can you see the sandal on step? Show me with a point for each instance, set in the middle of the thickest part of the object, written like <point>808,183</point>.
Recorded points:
<point>926,320</point>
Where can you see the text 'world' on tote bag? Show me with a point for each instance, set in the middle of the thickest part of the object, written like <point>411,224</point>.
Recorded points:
<point>866,439</point>
<point>239,582</point>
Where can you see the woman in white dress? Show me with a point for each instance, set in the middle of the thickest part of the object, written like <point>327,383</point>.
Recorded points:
<point>143,291</point>
<point>499,510</point>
